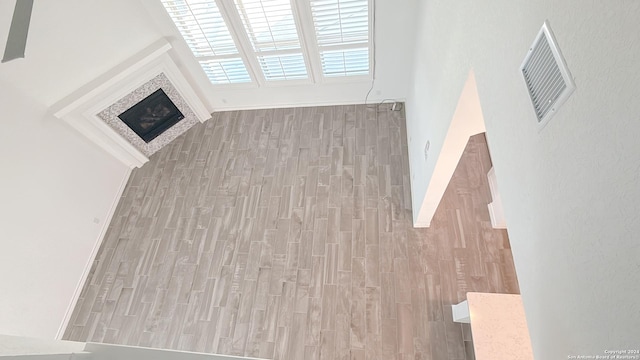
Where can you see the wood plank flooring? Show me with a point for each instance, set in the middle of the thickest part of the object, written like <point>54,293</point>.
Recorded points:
<point>286,234</point>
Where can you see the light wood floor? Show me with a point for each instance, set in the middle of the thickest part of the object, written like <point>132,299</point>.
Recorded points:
<point>286,234</point>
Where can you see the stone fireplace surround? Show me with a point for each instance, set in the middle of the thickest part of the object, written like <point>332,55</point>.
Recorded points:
<point>94,108</point>
<point>110,115</point>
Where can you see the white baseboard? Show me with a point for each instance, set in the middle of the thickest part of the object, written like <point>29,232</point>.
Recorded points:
<point>496,212</point>
<point>94,252</point>
<point>287,105</point>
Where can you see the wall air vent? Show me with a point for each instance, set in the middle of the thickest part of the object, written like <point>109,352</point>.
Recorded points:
<point>546,74</point>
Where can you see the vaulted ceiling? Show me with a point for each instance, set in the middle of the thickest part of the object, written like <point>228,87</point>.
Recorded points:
<point>72,42</point>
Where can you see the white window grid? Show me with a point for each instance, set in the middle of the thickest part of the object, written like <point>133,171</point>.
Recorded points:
<point>303,41</point>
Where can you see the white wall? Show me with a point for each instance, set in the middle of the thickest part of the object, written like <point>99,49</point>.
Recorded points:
<point>570,191</point>
<point>71,42</point>
<point>467,121</point>
<point>55,183</point>
<point>12,346</point>
<point>17,347</point>
<point>395,28</point>
<point>119,352</point>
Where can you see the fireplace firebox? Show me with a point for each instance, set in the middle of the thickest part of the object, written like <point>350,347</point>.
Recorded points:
<point>152,116</point>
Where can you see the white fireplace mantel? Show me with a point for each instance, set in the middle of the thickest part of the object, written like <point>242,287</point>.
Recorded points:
<point>126,82</point>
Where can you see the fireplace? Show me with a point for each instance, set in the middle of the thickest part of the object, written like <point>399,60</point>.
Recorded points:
<point>137,108</point>
<point>152,116</point>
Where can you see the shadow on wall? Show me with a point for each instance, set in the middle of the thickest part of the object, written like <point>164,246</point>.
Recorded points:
<point>467,121</point>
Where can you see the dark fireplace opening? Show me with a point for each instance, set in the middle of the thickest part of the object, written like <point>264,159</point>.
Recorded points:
<point>152,116</point>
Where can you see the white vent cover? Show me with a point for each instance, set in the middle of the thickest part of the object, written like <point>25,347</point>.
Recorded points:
<point>546,74</point>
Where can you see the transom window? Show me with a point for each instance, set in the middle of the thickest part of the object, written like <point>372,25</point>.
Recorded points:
<point>269,41</point>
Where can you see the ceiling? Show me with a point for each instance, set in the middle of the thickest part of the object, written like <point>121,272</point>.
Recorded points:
<point>62,55</point>
<point>72,42</point>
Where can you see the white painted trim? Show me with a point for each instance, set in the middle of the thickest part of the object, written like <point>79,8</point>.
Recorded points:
<point>100,351</point>
<point>163,63</point>
<point>22,347</point>
<point>182,53</point>
<point>330,80</point>
<point>80,108</point>
<point>170,69</point>
<point>299,104</point>
<point>292,82</point>
<point>308,42</point>
<point>460,312</point>
<point>371,43</point>
<point>496,211</point>
<point>96,130</point>
<point>94,253</point>
<point>348,79</point>
<point>345,47</point>
<point>234,86</point>
<point>466,122</point>
<point>243,44</point>
<point>310,50</point>
<point>110,78</point>
<point>496,214</point>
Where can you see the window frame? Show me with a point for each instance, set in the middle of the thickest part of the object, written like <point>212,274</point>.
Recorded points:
<point>309,48</point>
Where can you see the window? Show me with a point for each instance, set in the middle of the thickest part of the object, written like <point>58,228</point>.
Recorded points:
<point>342,33</point>
<point>272,31</point>
<point>283,67</point>
<point>345,62</point>
<point>205,31</point>
<point>269,41</point>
